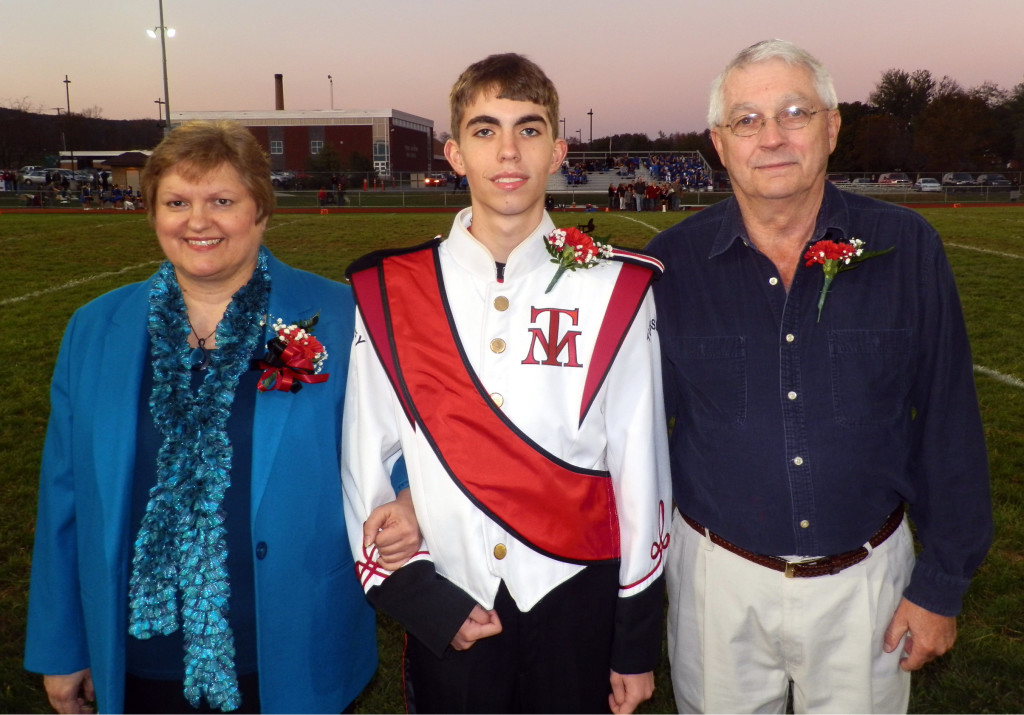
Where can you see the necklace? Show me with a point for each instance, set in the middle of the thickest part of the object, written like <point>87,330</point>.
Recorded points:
<point>199,358</point>
<point>179,576</point>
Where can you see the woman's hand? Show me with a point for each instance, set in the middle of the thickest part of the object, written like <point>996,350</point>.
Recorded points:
<point>393,528</point>
<point>72,693</point>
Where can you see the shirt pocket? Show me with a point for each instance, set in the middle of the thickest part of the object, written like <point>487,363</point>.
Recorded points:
<point>870,375</point>
<point>714,371</point>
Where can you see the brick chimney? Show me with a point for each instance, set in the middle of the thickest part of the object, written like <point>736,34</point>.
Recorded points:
<point>279,92</point>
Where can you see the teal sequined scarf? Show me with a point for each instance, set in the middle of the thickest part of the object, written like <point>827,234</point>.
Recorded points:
<point>179,565</point>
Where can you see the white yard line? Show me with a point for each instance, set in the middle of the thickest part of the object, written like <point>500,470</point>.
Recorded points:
<point>76,282</point>
<point>87,279</point>
<point>634,220</point>
<point>984,250</point>
<point>996,375</point>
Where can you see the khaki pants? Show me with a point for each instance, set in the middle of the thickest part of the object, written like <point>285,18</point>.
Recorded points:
<point>738,633</point>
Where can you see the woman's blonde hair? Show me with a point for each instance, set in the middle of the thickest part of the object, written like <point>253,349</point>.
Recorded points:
<point>194,149</point>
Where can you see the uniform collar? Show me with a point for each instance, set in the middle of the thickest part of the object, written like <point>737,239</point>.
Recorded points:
<point>472,255</point>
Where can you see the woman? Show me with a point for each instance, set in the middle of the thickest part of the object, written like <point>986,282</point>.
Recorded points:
<point>190,539</point>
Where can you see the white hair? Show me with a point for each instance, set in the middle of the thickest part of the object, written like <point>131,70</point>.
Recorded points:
<point>762,52</point>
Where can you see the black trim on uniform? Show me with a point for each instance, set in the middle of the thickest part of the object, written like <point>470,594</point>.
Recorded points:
<point>638,628</point>
<point>427,605</point>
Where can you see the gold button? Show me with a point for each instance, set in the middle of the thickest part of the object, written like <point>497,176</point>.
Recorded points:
<point>790,337</point>
<point>497,345</point>
<point>804,524</point>
<point>791,395</point>
<point>500,551</point>
<point>501,303</point>
<point>498,399</point>
<point>798,461</point>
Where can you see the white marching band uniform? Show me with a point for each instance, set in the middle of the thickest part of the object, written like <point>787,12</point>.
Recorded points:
<point>507,331</point>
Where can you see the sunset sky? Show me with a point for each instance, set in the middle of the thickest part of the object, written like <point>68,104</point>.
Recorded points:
<point>640,66</point>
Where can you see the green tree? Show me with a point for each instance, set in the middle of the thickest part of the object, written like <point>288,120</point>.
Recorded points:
<point>846,154</point>
<point>1014,116</point>
<point>956,132</point>
<point>328,161</point>
<point>903,95</point>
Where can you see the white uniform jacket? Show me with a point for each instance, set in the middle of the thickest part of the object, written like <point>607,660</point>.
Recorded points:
<point>530,351</point>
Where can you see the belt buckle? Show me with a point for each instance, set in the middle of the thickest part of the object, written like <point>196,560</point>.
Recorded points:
<point>792,566</point>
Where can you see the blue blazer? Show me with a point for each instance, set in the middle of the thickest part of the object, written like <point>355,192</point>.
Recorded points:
<point>316,634</point>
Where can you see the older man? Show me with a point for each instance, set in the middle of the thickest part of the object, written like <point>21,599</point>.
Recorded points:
<point>812,404</point>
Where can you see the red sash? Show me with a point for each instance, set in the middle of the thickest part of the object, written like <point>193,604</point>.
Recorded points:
<point>559,509</point>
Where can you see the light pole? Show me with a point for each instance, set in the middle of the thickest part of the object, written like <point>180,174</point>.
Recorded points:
<point>591,115</point>
<point>67,96</point>
<point>562,120</point>
<point>579,136</point>
<point>159,111</point>
<point>164,32</point>
<point>331,80</point>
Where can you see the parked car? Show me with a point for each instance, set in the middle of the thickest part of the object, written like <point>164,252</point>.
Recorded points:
<point>838,178</point>
<point>436,180</point>
<point>38,176</point>
<point>894,178</point>
<point>25,170</point>
<point>993,180</point>
<point>862,180</point>
<point>927,184</point>
<point>957,178</point>
<point>282,179</point>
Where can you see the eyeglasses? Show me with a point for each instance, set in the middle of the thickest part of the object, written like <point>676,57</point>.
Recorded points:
<point>747,125</point>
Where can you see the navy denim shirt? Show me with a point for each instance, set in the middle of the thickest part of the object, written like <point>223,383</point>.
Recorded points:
<point>794,436</point>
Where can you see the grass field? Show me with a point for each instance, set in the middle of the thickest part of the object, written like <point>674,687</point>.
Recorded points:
<point>53,264</point>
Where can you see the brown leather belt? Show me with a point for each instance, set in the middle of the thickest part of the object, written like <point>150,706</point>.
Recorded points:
<point>826,565</point>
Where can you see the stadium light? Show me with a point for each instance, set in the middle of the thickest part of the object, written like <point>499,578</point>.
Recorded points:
<point>163,32</point>
<point>67,95</point>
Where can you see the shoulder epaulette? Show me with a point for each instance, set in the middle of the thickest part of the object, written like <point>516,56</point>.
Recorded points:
<point>639,259</point>
<point>371,260</point>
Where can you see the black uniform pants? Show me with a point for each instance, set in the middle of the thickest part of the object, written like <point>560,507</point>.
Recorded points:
<point>554,658</point>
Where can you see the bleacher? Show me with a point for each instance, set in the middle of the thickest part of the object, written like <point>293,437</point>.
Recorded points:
<point>598,180</point>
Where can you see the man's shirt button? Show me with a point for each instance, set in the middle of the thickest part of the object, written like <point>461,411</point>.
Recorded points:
<point>500,551</point>
<point>501,303</point>
<point>804,524</point>
<point>798,461</point>
<point>497,345</point>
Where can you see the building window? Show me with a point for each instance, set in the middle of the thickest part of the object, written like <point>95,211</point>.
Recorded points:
<point>315,147</point>
<point>276,147</point>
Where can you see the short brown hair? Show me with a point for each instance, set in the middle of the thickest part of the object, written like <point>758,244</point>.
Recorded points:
<point>197,148</point>
<point>510,76</point>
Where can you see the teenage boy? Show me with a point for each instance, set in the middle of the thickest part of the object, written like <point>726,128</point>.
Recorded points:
<point>529,412</point>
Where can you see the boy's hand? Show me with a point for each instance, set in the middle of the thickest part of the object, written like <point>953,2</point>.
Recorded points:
<point>394,530</point>
<point>479,624</point>
<point>628,691</point>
